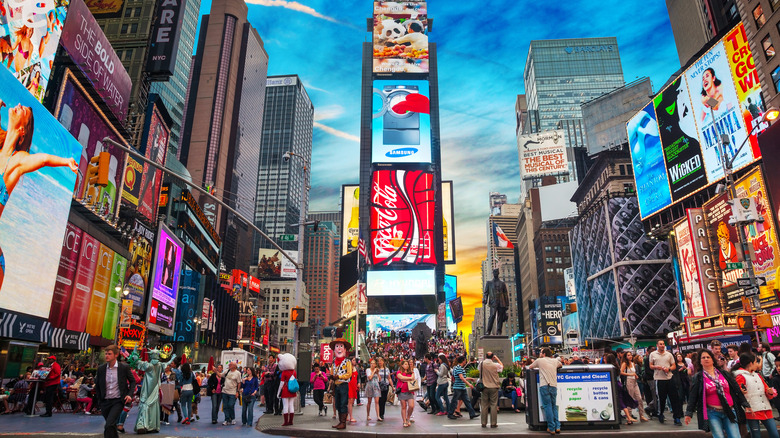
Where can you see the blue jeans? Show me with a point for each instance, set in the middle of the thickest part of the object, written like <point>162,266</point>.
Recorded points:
<point>216,399</point>
<point>721,426</point>
<point>754,426</point>
<point>549,396</point>
<point>247,408</point>
<point>513,396</point>
<point>460,394</point>
<point>229,407</point>
<point>186,404</point>
<point>432,398</point>
<point>441,394</point>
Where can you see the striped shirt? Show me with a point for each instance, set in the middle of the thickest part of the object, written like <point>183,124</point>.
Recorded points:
<point>457,372</point>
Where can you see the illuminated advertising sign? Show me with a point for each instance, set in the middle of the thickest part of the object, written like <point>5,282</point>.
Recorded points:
<point>85,277</point>
<point>273,264</point>
<point>550,316</point>
<point>326,354</point>
<point>80,116</point>
<point>66,276</point>
<point>34,211</point>
<point>350,219</point>
<point>402,217</point>
<point>99,299</point>
<point>647,159</point>
<point>187,306</point>
<point>132,337</point>
<point>401,122</point>
<point>91,51</point>
<point>114,296</point>
<point>706,270</point>
<point>450,292</point>
<point>542,153</point>
<point>30,32</point>
<point>105,8</point>
<point>693,304</point>
<point>157,134</point>
<point>448,222</point>
<point>140,266</point>
<point>165,284</point>
<point>400,37</point>
<point>690,128</point>
<point>164,44</point>
<point>401,283</point>
<point>725,247</point>
<point>388,323</point>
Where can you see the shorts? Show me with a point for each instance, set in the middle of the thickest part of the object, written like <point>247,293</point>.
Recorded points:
<point>406,396</point>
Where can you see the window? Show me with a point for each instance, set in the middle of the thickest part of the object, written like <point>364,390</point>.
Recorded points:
<point>776,78</point>
<point>758,15</point>
<point>774,4</point>
<point>769,49</point>
<point>548,259</point>
<point>558,260</point>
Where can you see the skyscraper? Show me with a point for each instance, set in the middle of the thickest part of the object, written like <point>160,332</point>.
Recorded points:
<point>502,223</point>
<point>321,258</point>
<point>287,126</point>
<point>224,121</point>
<point>695,22</point>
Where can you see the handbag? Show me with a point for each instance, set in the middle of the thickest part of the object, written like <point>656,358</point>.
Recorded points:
<point>413,386</point>
<point>391,397</point>
<point>292,385</point>
<point>480,386</point>
<point>327,398</point>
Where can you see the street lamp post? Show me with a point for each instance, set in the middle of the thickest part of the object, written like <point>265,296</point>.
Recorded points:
<point>125,293</point>
<point>301,228</point>
<point>768,116</point>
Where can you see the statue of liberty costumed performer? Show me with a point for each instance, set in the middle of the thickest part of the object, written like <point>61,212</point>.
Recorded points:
<point>149,400</point>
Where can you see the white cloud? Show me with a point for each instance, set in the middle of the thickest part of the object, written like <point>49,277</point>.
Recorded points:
<point>328,112</point>
<point>295,6</point>
<point>337,133</point>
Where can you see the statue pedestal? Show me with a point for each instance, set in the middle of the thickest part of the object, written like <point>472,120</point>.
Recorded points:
<point>501,346</point>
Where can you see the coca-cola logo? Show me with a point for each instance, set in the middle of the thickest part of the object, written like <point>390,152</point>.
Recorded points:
<point>402,212</point>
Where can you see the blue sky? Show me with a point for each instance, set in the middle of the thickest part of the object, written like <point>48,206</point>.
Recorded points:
<point>482,47</point>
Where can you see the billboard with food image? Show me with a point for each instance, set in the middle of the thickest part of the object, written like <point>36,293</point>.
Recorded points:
<point>400,37</point>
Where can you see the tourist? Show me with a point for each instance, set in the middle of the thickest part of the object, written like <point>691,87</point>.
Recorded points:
<point>757,393</point>
<point>489,369</point>
<point>459,390</point>
<point>385,383</point>
<point>185,379</point>
<point>405,376</point>
<point>319,382</point>
<point>249,388</point>
<point>232,382</point>
<point>114,387</point>
<point>373,391</point>
<point>628,369</point>
<point>663,364</point>
<point>548,388</point>
<point>214,390</point>
<point>442,385</point>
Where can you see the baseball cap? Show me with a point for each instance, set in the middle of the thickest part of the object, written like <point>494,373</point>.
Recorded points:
<point>53,357</point>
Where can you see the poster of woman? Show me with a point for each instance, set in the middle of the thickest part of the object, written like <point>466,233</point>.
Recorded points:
<point>37,175</point>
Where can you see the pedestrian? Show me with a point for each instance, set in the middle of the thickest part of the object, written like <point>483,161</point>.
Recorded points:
<point>720,359</point>
<point>733,352</point>
<point>651,396</point>
<point>626,403</point>
<point>716,398</point>
<point>185,380</point>
<point>51,386</point>
<point>405,376</point>
<point>459,390</point>
<point>342,374</point>
<point>353,390</point>
<point>372,389</point>
<point>430,383</point>
<point>249,388</point>
<point>114,387</point>
<point>271,387</point>
<point>198,383</point>
<point>628,370</point>
<point>748,376</point>
<point>774,382</point>
<point>548,388</point>
<point>85,389</point>
<point>663,364</point>
<point>767,360</point>
<point>385,383</point>
<point>232,381</point>
<point>489,369</point>
<point>319,381</point>
<point>510,390</point>
<point>682,377</point>
<point>214,390</point>
<point>442,385</point>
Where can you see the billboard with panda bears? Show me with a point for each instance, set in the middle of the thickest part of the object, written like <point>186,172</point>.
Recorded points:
<point>400,37</point>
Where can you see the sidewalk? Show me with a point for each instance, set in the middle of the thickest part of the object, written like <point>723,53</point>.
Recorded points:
<point>509,424</point>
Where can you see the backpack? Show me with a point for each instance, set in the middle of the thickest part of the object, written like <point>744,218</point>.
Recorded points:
<point>292,385</point>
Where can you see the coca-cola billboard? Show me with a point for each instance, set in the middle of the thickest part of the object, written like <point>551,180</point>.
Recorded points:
<point>402,217</point>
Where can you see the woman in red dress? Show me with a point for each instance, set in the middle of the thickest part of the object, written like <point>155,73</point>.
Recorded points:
<point>353,389</point>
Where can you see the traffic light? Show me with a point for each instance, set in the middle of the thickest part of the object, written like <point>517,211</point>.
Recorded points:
<point>297,314</point>
<point>96,176</point>
<point>745,323</point>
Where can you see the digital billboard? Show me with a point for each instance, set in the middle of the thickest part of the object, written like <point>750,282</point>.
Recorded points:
<point>157,134</point>
<point>647,159</point>
<point>114,297</point>
<point>725,248</point>
<point>400,283</point>
<point>165,284</point>
<point>693,304</point>
<point>450,293</point>
<point>706,269</point>
<point>401,122</point>
<point>719,94</point>
<point>92,53</point>
<point>105,8</point>
<point>542,153</point>
<point>273,264</point>
<point>388,323</point>
<point>39,176</point>
<point>448,223</point>
<point>66,276</point>
<point>140,266</point>
<point>30,32</point>
<point>78,308</point>
<point>402,217</point>
<point>400,37</point>
<point>79,115</point>
<point>350,219</point>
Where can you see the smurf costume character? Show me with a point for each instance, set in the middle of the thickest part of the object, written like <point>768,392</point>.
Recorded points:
<point>287,364</point>
<point>342,373</point>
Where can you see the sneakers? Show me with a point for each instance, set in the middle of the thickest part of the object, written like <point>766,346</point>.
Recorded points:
<point>213,421</point>
<point>87,413</point>
<point>225,423</point>
<point>441,414</point>
<point>232,422</point>
<point>677,422</point>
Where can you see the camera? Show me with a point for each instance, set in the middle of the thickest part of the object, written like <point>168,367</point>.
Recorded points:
<point>286,156</point>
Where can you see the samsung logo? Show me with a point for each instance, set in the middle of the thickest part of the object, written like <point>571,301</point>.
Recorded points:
<point>581,49</point>
<point>401,152</point>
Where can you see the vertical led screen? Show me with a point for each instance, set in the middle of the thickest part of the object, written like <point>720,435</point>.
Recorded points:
<point>30,32</point>
<point>66,276</point>
<point>400,37</point>
<point>401,122</point>
<point>350,219</point>
<point>165,284</point>
<point>140,266</point>
<point>402,217</point>
<point>450,292</point>
<point>114,296</point>
<point>80,116</point>
<point>78,308</point>
<point>719,94</point>
<point>647,158</point>
<point>692,293</point>
<point>725,248</point>
<point>157,134</point>
<point>704,263</point>
<point>448,223</point>
<point>39,176</point>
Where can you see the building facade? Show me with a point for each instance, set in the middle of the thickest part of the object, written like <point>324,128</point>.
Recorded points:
<point>287,126</point>
<point>321,258</point>
<point>695,22</point>
<point>553,255</point>
<point>279,299</point>
<point>761,20</point>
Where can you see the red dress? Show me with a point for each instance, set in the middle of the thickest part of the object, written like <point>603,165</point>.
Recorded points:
<point>285,378</point>
<point>353,385</point>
